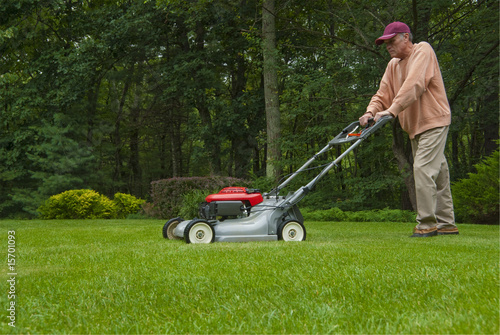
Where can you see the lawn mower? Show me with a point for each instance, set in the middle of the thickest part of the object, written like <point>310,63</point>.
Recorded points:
<point>239,214</point>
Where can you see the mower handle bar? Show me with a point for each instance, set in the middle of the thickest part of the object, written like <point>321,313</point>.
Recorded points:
<point>342,137</point>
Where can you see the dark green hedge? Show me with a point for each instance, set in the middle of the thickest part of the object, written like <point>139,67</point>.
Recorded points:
<point>378,215</point>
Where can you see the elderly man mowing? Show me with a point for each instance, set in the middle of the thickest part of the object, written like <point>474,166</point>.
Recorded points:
<point>412,90</point>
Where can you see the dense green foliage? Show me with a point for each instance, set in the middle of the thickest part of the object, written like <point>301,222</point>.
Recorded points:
<point>169,196</point>
<point>335,214</point>
<point>191,202</point>
<point>126,204</point>
<point>112,95</point>
<point>89,204</point>
<point>476,197</point>
<point>123,277</point>
<point>77,204</point>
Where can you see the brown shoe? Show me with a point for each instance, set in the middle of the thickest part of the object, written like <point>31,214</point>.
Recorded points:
<point>448,231</point>
<point>424,232</point>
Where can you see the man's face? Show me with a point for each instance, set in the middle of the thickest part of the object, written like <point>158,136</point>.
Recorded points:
<point>396,46</point>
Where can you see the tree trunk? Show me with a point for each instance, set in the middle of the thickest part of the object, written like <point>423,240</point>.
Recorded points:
<point>117,141</point>
<point>271,88</point>
<point>135,167</point>
<point>212,143</point>
<point>174,134</point>
<point>240,141</point>
<point>404,158</point>
<point>92,96</point>
<point>421,17</point>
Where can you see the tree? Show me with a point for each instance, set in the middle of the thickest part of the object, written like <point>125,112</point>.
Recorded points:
<point>270,74</point>
<point>112,95</point>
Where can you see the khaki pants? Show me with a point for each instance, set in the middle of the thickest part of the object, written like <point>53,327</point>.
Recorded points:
<point>432,180</point>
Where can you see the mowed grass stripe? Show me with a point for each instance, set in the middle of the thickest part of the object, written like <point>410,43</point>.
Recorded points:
<point>121,276</point>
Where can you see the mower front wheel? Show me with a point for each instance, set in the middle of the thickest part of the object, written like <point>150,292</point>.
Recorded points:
<point>169,227</point>
<point>199,231</point>
<point>291,231</point>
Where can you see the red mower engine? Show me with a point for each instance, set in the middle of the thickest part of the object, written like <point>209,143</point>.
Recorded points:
<point>230,202</point>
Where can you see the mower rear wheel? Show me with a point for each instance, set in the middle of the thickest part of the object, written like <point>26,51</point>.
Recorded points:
<point>291,231</point>
<point>199,231</point>
<point>169,227</point>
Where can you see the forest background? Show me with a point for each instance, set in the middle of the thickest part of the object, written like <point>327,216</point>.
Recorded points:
<point>113,95</point>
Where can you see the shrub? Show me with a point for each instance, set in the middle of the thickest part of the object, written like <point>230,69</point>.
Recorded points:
<point>88,204</point>
<point>126,204</point>
<point>166,194</point>
<point>332,214</point>
<point>476,198</point>
<point>264,184</point>
<point>191,203</point>
<point>78,204</point>
<point>335,214</point>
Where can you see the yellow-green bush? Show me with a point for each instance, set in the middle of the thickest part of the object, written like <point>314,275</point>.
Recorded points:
<point>127,204</point>
<point>78,204</point>
<point>88,204</point>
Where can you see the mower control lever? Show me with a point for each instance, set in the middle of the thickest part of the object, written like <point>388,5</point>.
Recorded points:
<point>348,134</point>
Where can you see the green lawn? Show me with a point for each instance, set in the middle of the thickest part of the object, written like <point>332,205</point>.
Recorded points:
<point>121,276</point>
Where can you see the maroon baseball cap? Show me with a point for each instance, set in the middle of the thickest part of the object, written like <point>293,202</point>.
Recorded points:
<point>392,30</point>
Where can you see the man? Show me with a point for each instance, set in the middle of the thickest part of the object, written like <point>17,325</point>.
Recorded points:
<point>412,90</point>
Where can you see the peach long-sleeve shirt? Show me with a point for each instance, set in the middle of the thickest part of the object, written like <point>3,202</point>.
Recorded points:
<point>413,90</point>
